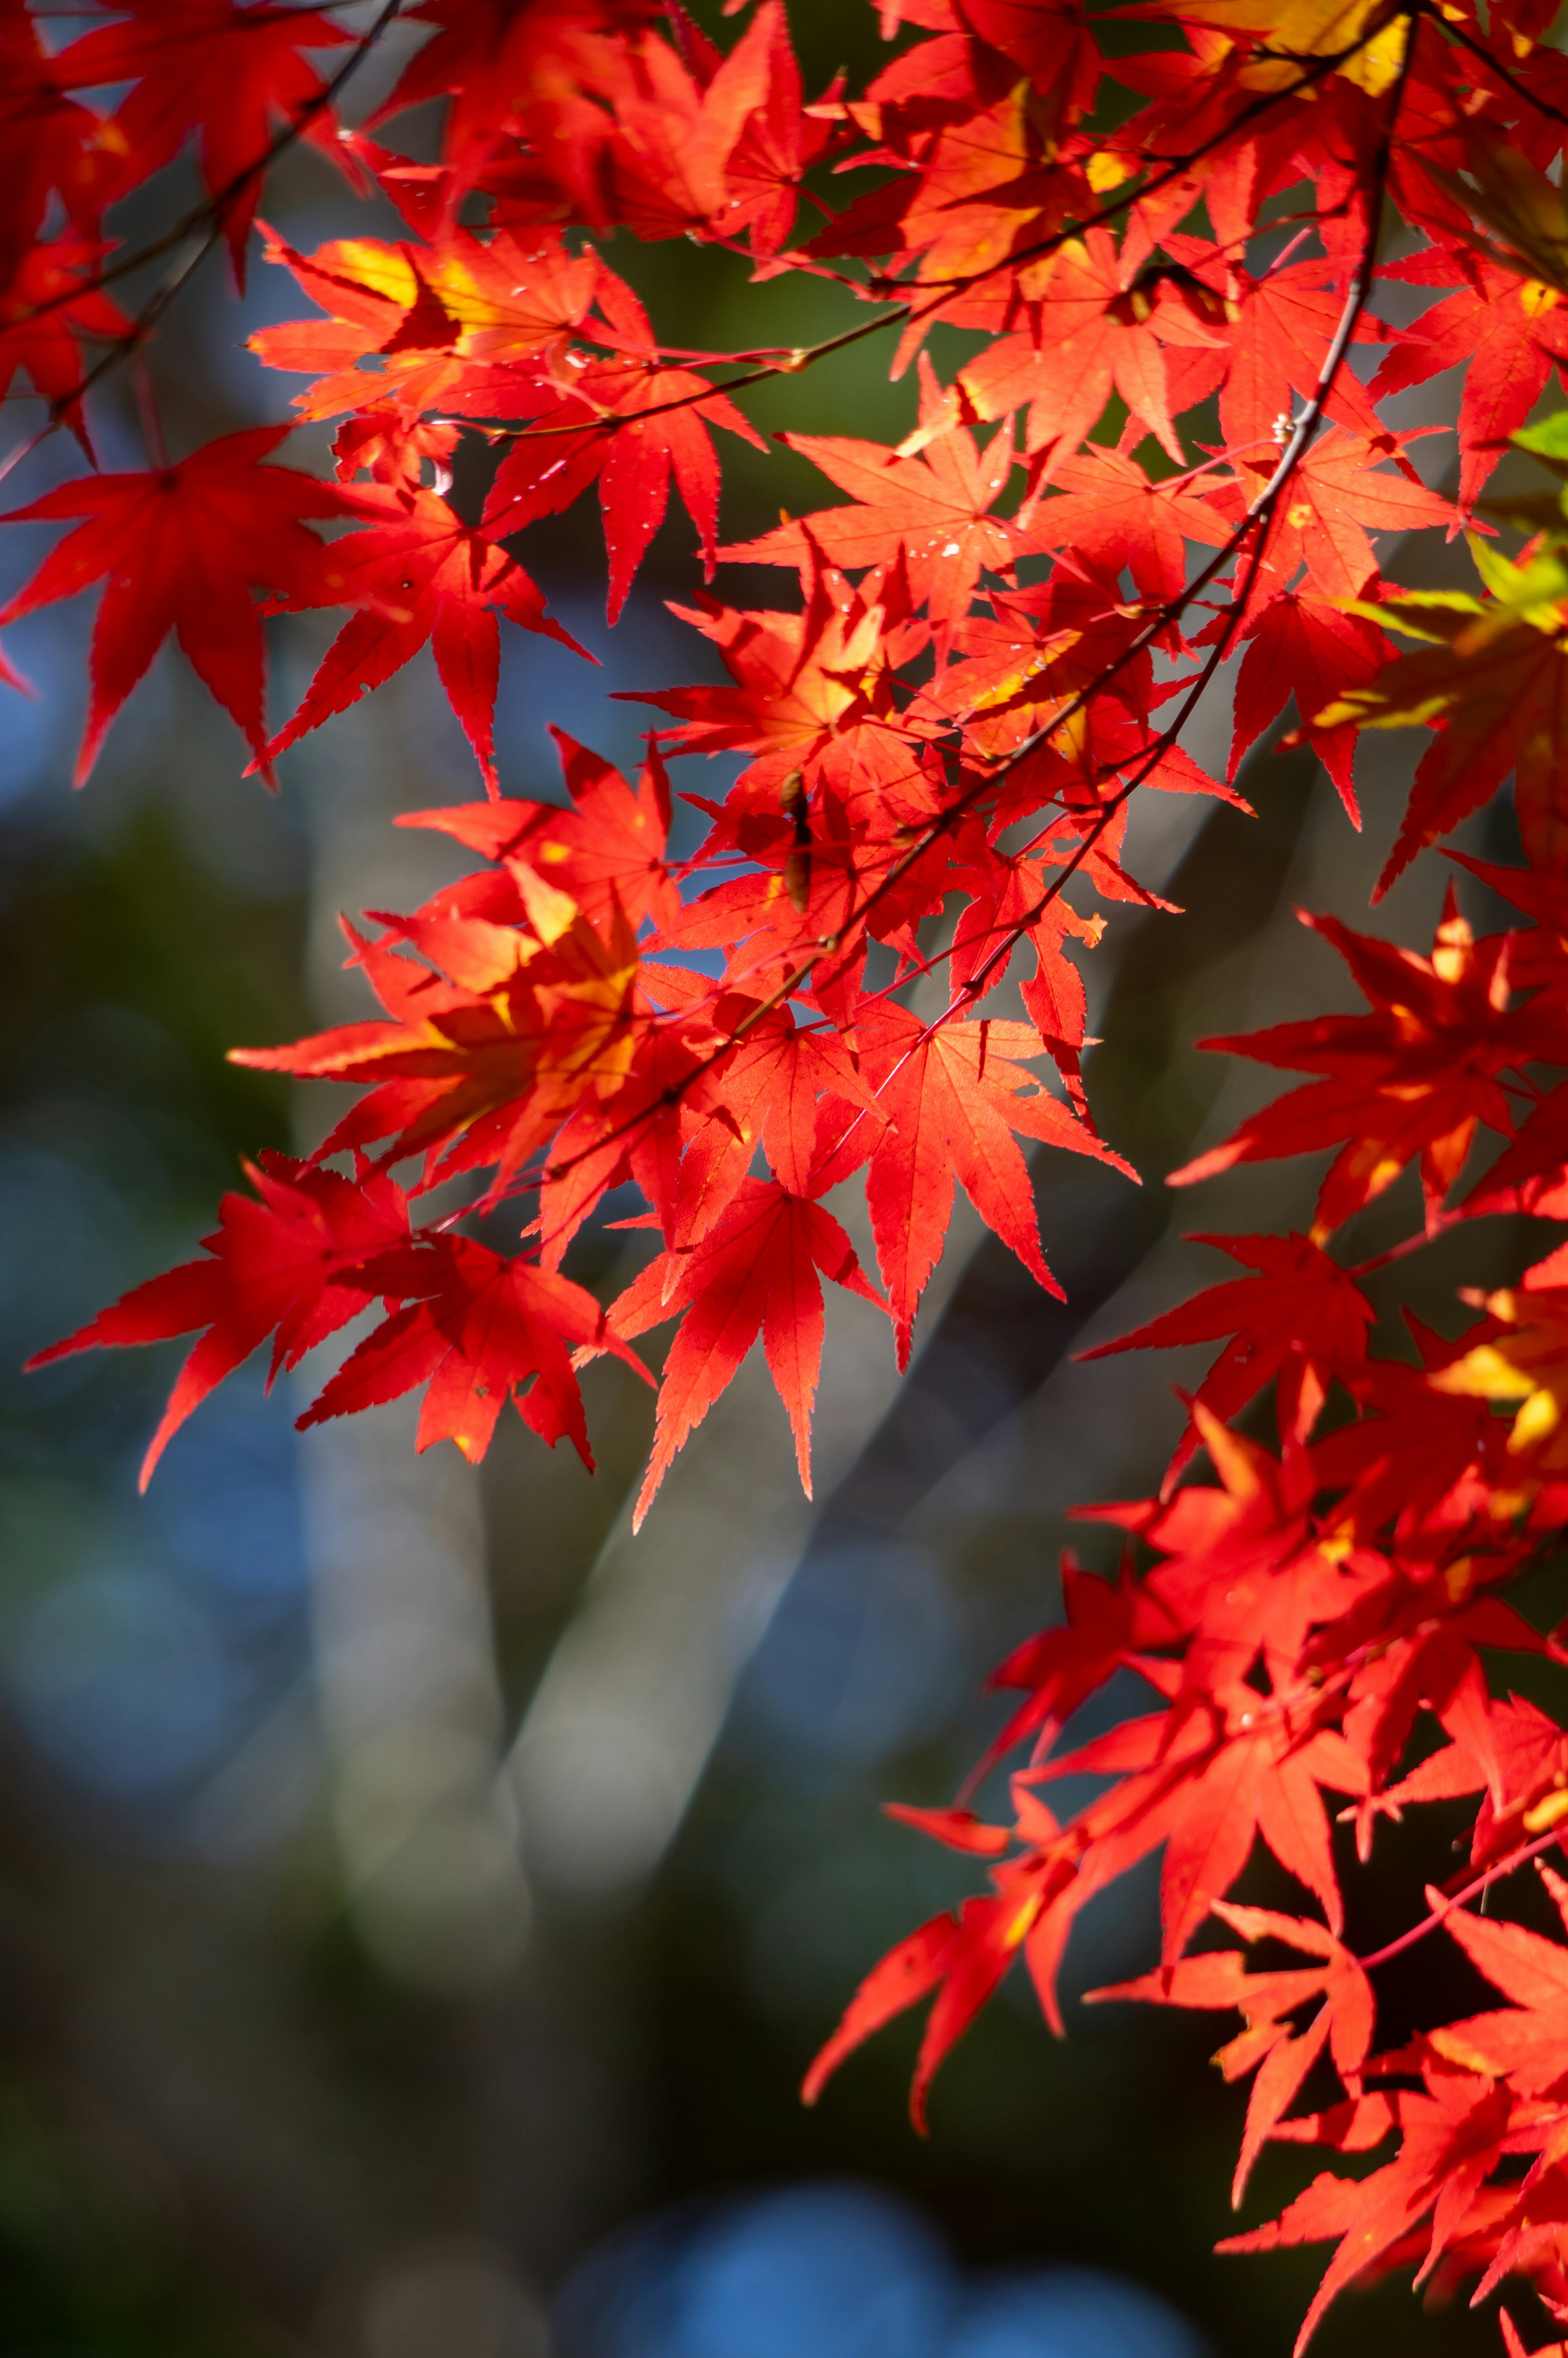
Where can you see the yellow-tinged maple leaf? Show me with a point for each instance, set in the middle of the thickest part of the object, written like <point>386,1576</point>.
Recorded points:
<point>1527,1362</point>
<point>1493,685</point>
<point>1302,28</point>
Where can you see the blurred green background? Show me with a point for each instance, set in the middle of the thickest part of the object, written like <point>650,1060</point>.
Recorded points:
<point>418,1903</point>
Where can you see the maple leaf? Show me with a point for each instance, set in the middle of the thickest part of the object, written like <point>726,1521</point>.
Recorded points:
<point>764,1088</point>
<point>1508,333</point>
<point>479,1067</point>
<point>1110,513</point>
<point>1451,2138</point>
<point>1302,27</point>
<point>755,1272</point>
<point>1303,646</point>
<point>533,69</point>
<point>49,304</point>
<point>933,505</point>
<point>486,1330</point>
<point>290,1265</point>
<point>596,431</point>
<point>961,1958</point>
<point>180,547</point>
<point>806,685</point>
<point>1525,1358</point>
<point>1302,1319</point>
<point>1281,2056</point>
<point>53,144</point>
<point>1340,492</point>
<point>435,319</point>
<point>1105,335</point>
<point>1285,322</point>
<point>1412,1080</point>
<point>606,851</point>
<point>228,73</point>
<point>423,574</point>
<point>952,1096</point>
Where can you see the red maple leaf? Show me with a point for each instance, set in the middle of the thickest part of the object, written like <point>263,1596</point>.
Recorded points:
<point>231,74</point>
<point>1343,2022</point>
<point>290,1266</point>
<point>755,1272</point>
<point>1507,330</point>
<point>180,548</point>
<point>49,307</point>
<point>607,850</point>
<point>1301,1319</point>
<point>52,145</point>
<point>1110,513</point>
<point>485,1330</point>
<point>952,1097</point>
<point>596,431</point>
<point>1301,645</point>
<point>424,575</point>
<point>1340,492</point>
<point>934,506</point>
<point>1411,1080</point>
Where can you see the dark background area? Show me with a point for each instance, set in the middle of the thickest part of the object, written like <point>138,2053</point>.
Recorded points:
<point>418,1902</point>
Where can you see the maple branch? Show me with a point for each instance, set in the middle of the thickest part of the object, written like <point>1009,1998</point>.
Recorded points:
<point>912,312</point>
<point>1260,514</point>
<point>1495,65</point>
<point>1480,1883</point>
<point>210,212</point>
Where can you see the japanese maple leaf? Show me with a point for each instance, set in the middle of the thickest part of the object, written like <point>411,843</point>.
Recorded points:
<point>1524,2042</point>
<point>1452,2135</point>
<point>777,144</point>
<point>1302,645</point>
<point>1107,511</point>
<point>1244,1575</point>
<point>1102,1622</point>
<point>755,1272</point>
<point>232,75</point>
<point>530,69</point>
<point>803,685</point>
<point>51,144</point>
<point>486,1330</point>
<point>427,576</point>
<point>480,1061</point>
<point>44,311</point>
<point>1409,1081</point>
<point>1339,493</point>
<point>597,431</point>
<point>933,505</point>
<point>1493,683</point>
<point>1287,321</point>
<point>1505,331</point>
<point>679,119</point>
<point>291,1266</point>
<point>180,548</point>
<point>432,315</point>
<point>762,1089</point>
<point>1301,1319</point>
<point>1096,336</point>
<point>607,850</point>
<point>962,1958</point>
<point>1523,1358</point>
<point>1280,2055</point>
<point>952,1098</point>
<point>1517,1770</point>
<point>976,182</point>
